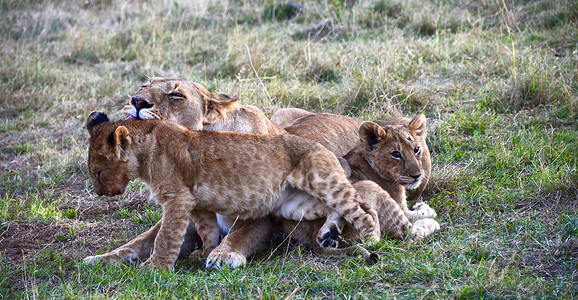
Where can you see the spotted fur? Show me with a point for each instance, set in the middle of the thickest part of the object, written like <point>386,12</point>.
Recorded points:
<point>389,155</point>
<point>194,172</point>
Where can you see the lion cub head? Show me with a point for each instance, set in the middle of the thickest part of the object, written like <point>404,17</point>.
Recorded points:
<point>110,162</point>
<point>394,151</point>
<point>184,102</point>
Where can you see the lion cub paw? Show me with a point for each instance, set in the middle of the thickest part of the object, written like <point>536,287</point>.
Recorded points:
<point>110,258</point>
<point>424,227</point>
<point>93,260</point>
<point>218,258</point>
<point>424,211</point>
<point>329,239</point>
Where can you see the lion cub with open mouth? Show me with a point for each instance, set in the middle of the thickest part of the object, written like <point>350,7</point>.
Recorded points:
<point>193,174</point>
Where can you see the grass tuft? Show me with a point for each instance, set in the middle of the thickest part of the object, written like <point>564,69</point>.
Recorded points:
<point>320,73</point>
<point>282,12</point>
<point>388,8</point>
<point>527,92</point>
<point>571,225</point>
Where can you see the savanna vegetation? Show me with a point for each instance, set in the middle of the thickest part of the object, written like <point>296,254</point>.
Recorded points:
<point>497,80</point>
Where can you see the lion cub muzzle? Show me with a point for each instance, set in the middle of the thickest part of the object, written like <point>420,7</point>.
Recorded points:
<point>118,190</point>
<point>139,104</point>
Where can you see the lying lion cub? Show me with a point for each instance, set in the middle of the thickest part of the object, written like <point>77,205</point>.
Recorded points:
<point>388,155</point>
<point>195,174</point>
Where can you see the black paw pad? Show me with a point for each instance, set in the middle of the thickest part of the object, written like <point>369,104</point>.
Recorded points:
<point>372,258</point>
<point>334,232</point>
<point>329,243</point>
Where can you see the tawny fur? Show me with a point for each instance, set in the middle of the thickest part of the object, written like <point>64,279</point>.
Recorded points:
<point>285,117</point>
<point>192,172</point>
<point>192,105</point>
<point>338,133</point>
<point>371,159</point>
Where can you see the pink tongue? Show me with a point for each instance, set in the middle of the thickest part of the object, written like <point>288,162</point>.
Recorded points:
<point>131,117</point>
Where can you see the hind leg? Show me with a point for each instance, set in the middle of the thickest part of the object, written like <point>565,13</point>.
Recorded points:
<point>321,175</point>
<point>246,237</point>
<point>141,247</point>
<point>208,229</point>
<point>300,206</point>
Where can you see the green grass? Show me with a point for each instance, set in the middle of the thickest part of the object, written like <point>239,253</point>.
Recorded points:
<point>496,79</point>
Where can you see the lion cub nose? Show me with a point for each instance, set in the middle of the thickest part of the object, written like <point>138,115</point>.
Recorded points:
<point>140,103</point>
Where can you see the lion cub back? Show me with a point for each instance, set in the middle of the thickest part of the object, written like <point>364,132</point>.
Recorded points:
<point>335,132</point>
<point>230,166</point>
<point>245,118</point>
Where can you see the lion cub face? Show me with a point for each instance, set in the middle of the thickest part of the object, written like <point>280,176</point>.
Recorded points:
<point>394,151</point>
<point>184,102</point>
<point>110,164</point>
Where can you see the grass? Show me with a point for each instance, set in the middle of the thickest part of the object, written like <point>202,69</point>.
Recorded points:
<point>496,79</point>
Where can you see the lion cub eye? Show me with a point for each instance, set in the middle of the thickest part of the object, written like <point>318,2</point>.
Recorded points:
<point>416,150</point>
<point>396,154</point>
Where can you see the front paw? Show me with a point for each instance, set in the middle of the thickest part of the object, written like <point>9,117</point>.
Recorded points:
<point>424,211</point>
<point>112,257</point>
<point>93,260</point>
<point>330,238</point>
<point>218,258</point>
<point>424,227</point>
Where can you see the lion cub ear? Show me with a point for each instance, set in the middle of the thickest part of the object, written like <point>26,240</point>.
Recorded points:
<point>417,126</point>
<point>119,141</point>
<point>224,98</point>
<point>371,134</point>
<point>95,120</point>
<point>218,106</point>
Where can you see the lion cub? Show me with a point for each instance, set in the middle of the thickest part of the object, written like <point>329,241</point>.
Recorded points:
<point>387,160</point>
<point>195,174</point>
